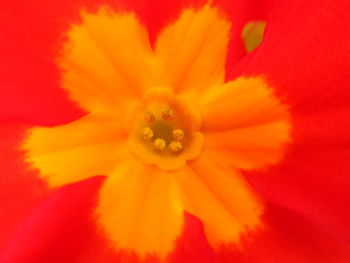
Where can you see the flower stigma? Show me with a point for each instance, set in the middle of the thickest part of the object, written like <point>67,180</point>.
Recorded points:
<point>167,115</point>
<point>162,141</point>
<point>149,117</point>
<point>178,135</point>
<point>159,144</point>
<point>175,146</point>
<point>148,133</point>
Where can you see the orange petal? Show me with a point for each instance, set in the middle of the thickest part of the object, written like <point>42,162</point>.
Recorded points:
<point>221,198</point>
<point>139,210</point>
<point>192,51</point>
<point>239,103</point>
<point>69,153</point>
<point>106,60</point>
<point>250,147</point>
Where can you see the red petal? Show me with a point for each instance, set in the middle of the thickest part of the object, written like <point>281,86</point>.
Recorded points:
<point>192,246</point>
<point>287,238</point>
<point>314,182</point>
<point>20,189</point>
<point>28,47</point>
<point>306,56</point>
<point>61,229</point>
<point>240,12</point>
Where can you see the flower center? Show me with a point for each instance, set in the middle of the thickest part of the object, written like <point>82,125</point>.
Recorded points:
<point>161,133</point>
<point>163,129</point>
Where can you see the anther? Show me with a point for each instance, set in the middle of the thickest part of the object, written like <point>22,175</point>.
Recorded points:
<point>159,144</point>
<point>149,117</point>
<point>147,133</point>
<point>178,135</point>
<point>167,115</point>
<point>175,146</point>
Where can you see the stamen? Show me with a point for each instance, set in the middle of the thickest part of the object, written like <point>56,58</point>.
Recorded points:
<point>167,115</point>
<point>178,135</point>
<point>148,133</point>
<point>149,117</point>
<point>175,146</point>
<point>159,144</point>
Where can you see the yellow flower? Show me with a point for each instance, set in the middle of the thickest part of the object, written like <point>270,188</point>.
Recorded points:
<point>164,127</point>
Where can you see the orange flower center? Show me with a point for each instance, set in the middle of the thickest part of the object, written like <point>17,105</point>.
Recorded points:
<point>164,129</point>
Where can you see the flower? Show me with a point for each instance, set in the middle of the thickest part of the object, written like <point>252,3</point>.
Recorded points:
<point>171,148</point>
<point>155,125</point>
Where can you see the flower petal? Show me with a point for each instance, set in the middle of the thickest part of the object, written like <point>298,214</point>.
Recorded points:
<point>192,51</point>
<point>240,103</point>
<point>139,210</point>
<point>286,237</point>
<point>59,229</point>
<point>249,148</point>
<point>119,64</point>
<point>309,68</point>
<point>245,124</point>
<point>214,194</point>
<point>313,181</point>
<point>29,46</point>
<point>93,145</point>
<point>240,13</point>
<point>192,245</point>
<point>20,189</point>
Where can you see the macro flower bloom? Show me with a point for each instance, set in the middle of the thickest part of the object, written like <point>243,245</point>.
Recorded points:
<point>143,131</point>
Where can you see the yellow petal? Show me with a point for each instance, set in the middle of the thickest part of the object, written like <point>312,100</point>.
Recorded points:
<point>92,145</point>
<point>240,103</point>
<point>192,51</point>
<point>252,147</point>
<point>139,210</point>
<point>221,198</point>
<point>106,61</point>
